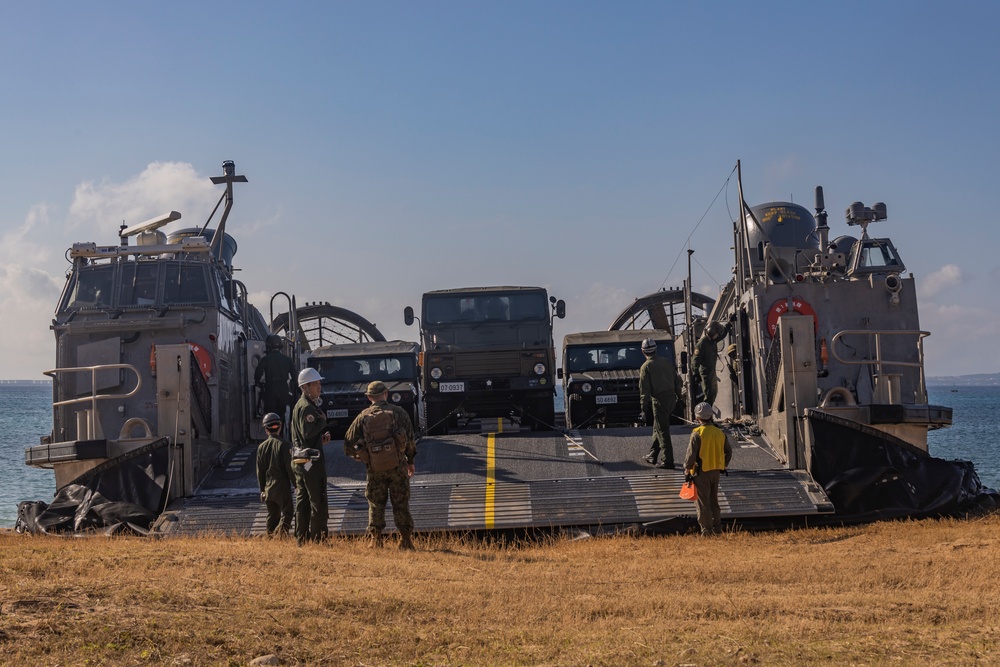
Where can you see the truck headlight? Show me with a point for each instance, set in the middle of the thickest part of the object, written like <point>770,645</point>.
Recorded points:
<point>586,387</point>
<point>436,373</point>
<point>539,369</point>
<point>396,397</point>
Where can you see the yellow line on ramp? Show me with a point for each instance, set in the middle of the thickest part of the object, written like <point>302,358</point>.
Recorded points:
<point>491,479</point>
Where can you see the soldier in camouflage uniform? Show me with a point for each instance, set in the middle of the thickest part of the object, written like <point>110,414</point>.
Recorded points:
<point>659,387</point>
<point>274,476</point>
<point>309,433</point>
<point>274,376</point>
<point>395,483</point>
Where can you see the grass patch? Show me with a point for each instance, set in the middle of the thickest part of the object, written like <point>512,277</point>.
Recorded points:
<point>896,593</point>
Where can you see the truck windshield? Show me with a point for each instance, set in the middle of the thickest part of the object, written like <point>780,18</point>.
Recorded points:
<point>367,369</point>
<point>610,356</point>
<point>488,307</point>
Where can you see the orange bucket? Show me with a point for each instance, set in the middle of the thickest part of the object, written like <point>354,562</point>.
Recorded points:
<point>688,491</point>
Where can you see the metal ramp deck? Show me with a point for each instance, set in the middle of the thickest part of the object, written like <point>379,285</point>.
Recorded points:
<point>474,482</point>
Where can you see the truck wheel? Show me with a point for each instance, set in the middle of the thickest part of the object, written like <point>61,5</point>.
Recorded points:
<point>543,414</point>
<point>437,424</point>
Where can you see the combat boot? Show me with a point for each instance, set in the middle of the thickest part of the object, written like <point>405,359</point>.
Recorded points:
<point>406,541</point>
<point>375,540</point>
<point>651,458</point>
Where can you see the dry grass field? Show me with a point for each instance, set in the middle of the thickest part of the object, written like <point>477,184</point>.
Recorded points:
<point>898,593</point>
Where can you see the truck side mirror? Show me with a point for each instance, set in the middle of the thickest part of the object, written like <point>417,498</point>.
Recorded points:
<point>408,315</point>
<point>560,309</point>
<point>684,362</point>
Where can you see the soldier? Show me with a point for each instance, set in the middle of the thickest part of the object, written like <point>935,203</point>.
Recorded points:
<point>708,454</point>
<point>274,476</point>
<point>659,387</point>
<point>706,356</point>
<point>382,436</point>
<point>309,434</point>
<point>278,372</point>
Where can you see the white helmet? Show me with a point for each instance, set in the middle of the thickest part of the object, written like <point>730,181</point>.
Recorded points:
<point>704,411</point>
<point>648,346</point>
<point>309,375</point>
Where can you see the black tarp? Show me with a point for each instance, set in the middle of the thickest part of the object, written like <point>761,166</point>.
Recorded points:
<point>870,475</point>
<point>125,492</point>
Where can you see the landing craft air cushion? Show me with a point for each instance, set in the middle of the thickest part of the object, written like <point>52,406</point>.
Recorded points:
<point>802,366</point>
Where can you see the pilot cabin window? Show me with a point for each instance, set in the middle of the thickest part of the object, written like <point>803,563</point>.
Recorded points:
<point>138,284</point>
<point>186,284</point>
<point>93,287</point>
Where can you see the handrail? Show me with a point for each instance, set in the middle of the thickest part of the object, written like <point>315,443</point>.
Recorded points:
<point>92,430</point>
<point>878,362</point>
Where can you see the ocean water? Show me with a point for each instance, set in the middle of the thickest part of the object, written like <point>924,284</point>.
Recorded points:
<point>26,414</point>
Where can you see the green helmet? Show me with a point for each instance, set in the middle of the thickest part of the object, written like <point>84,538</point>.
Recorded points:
<point>272,342</point>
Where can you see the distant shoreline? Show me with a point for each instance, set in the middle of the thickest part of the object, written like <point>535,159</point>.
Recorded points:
<point>25,383</point>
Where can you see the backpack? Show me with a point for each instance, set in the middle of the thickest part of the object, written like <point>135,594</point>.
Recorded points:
<point>379,430</point>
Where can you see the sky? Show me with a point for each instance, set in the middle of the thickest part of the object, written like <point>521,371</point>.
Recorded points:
<point>393,148</point>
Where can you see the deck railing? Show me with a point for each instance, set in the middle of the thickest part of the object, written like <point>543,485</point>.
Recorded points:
<point>880,364</point>
<point>91,427</point>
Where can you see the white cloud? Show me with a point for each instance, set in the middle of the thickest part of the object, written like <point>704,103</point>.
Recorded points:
<point>160,188</point>
<point>27,297</point>
<point>947,276</point>
<point>31,264</point>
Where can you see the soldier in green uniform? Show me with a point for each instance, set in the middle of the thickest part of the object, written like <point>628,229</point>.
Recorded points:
<point>274,376</point>
<point>274,476</point>
<point>393,482</point>
<point>706,356</point>
<point>309,434</point>
<point>659,387</point>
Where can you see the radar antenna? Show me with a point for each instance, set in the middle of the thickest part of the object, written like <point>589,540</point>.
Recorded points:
<point>149,225</point>
<point>859,214</point>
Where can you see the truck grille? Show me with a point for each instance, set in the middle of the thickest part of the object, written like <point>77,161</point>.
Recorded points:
<point>488,365</point>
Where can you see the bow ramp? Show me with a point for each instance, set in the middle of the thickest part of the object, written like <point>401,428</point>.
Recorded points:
<point>518,480</point>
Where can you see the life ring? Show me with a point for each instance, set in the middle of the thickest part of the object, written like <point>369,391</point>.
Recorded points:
<point>780,307</point>
<point>204,360</point>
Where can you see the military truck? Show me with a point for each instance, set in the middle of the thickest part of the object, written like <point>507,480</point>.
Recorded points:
<point>488,352</point>
<point>600,375</point>
<point>348,368</point>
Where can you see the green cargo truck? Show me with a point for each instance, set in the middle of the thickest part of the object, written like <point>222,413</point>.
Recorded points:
<point>488,352</point>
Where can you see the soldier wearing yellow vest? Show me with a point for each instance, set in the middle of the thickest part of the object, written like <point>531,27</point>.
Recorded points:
<point>708,454</point>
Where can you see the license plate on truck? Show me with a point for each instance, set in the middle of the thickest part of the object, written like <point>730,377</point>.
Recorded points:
<point>451,387</point>
<point>336,414</point>
<point>607,399</point>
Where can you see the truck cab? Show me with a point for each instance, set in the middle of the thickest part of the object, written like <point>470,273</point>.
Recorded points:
<point>347,369</point>
<point>600,375</point>
<point>488,352</point>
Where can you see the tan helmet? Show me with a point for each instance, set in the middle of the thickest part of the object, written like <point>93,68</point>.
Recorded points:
<point>375,388</point>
